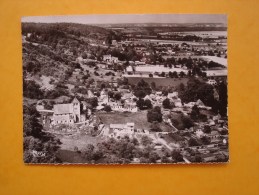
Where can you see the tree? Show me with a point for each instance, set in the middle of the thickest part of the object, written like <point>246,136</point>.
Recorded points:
<point>195,113</point>
<point>32,90</point>
<point>117,96</point>
<point>32,126</point>
<point>193,142</point>
<point>148,104</point>
<point>93,101</point>
<point>165,92</point>
<point>187,122</point>
<point>153,85</point>
<point>167,104</point>
<point>107,108</point>
<point>155,127</point>
<point>207,129</point>
<point>162,74</point>
<point>223,99</point>
<point>182,74</point>
<point>205,140</point>
<point>181,87</point>
<point>38,146</point>
<point>176,155</point>
<point>141,104</point>
<point>174,74</point>
<point>145,140</point>
<point>88,152</point>
<point>153,157</point>
<point>110,94</point>
<point>154,115</point>
<point>143,87</point>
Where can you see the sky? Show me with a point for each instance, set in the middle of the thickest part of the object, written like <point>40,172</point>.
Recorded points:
<point>130,18</point>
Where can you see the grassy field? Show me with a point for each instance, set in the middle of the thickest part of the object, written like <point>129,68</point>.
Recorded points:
<point>139,118</point>
<point>68,143</point>
<point>173,82</point>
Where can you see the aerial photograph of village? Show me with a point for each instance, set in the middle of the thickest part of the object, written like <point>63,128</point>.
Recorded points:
<point>125,89</point>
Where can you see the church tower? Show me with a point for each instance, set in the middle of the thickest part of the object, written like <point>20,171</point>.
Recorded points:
<point>76,109</point>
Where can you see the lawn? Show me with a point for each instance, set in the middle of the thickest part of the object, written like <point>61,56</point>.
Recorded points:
<point>139,118</point>
<point>173,82</point>
<point>69,142</point>
<point>177,117</point>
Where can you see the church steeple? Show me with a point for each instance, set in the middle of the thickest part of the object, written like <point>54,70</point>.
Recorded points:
<point>76,109</point>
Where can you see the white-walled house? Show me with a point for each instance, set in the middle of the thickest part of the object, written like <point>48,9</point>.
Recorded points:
<point>110,59</point>
<point>121,130</point>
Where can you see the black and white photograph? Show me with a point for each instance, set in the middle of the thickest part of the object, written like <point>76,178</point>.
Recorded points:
<point>125,89</point>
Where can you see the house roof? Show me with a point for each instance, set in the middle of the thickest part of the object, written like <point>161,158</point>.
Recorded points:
<point>63,108</point>
<point>127,95</point>
<point>214,133</point>
<point>86,104</point>
<point>75,100</point>
<point>174,94</point>
<point>200,103</point>
<point>90,94</point>
<point>117,126</point>
<point>99,107</point>
<point>147,97</point>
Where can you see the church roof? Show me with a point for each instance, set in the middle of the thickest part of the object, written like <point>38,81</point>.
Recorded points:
<point>63,108</point>
<point>75,100</point>
<point>90,94</point>
<point>117,126</point>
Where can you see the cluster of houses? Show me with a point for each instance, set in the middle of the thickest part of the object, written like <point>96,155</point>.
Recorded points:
<point>215,150</point>
<point>76,112</point>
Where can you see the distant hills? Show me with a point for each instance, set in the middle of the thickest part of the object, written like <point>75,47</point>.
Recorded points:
<point>70,28</point>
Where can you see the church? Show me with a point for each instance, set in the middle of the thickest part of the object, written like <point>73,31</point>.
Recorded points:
<point>67,113</point>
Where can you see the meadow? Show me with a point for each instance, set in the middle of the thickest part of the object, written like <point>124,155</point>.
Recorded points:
<point>163,82</point>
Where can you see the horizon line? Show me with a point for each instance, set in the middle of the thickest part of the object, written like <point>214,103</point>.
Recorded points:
<point>100,19</point>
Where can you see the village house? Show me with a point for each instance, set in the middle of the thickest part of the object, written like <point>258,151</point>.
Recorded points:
<point>199,133</point>
<point>172,95</point>
<point>110,59</point>
<point>121,130</point>
<point>129,106</point>
<point>212,82</point>
<point>198,103</point>
<point>103,98</point>
<point>177,102</point>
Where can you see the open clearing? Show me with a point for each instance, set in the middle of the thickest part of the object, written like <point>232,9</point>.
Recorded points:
<point>173,82</point>
<point>139,118</point>
<point>80,141</point>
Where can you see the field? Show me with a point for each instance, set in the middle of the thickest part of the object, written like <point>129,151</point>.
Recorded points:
<point>68,143</point>
<point>139,118</point>
<point>222,61</point>
<point>164,82</point>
